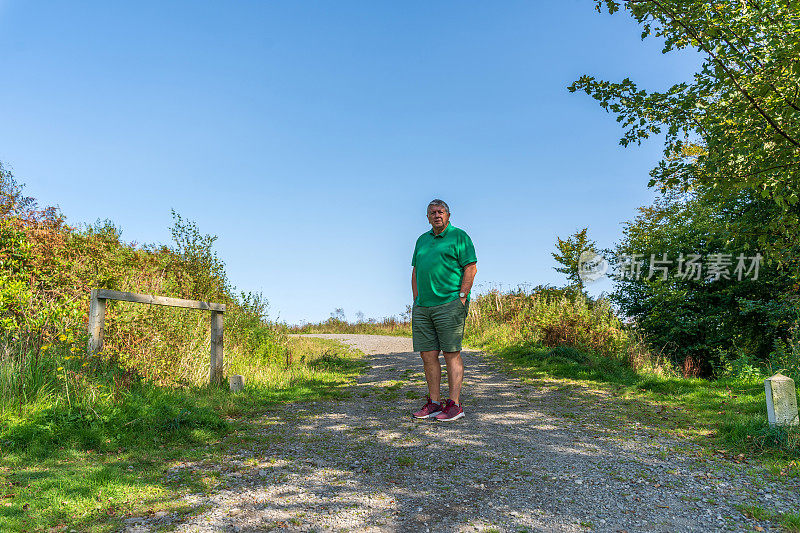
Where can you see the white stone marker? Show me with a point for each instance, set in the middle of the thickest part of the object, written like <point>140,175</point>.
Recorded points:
<point>781,400</point>
<point>236,383</point>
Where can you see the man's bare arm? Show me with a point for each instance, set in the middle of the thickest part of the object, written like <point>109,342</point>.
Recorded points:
<point>414,283</point>
<point>469,276</point>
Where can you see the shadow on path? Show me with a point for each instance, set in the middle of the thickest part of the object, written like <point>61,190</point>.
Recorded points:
<point>522,459</point>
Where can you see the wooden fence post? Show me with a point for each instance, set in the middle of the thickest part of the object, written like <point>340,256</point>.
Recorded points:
<point>217,334</point>
<point>97,318</point>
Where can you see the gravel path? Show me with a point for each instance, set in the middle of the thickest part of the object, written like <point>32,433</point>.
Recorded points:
<point>535,458</point>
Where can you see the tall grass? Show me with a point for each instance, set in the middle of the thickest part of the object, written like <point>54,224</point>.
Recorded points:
<point>59,395</point>
<point>102,452</point>
<point>385,326</point>
<point>154,365</point>
<point>165,346</point>
<point>541,317</point>
<point>553,333</point>
<point>550,318</point>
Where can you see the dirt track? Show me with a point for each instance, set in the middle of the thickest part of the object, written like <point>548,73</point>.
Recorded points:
<point>545,458</point>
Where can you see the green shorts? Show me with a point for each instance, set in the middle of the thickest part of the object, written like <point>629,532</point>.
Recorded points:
<point>440,327</point>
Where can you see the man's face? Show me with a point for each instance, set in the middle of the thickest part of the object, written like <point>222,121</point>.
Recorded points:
<point>438,217</point>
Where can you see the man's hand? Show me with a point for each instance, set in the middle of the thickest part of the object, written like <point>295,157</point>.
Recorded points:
<point>466,280</point>
<point>414,283</point>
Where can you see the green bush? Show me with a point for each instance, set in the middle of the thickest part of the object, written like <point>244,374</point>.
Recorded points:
<point>785,355</point>
<point>576,329</point>
<point>47,270</point>
<point>702,325</point>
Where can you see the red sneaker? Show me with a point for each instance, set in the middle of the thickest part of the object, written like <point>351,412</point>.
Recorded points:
<point>429,411</point>
<point>452,411</point>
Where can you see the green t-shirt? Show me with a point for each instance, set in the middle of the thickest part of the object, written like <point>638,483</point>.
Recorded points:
<point>440,261</point>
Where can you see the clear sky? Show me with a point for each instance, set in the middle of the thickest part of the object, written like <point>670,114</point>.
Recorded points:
<point>309,136</point>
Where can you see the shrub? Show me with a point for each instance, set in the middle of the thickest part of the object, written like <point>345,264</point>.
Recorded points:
<point>47,270</point>
<point>563,319</point>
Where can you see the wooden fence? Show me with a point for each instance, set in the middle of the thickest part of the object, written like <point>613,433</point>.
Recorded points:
<point>97,315</point>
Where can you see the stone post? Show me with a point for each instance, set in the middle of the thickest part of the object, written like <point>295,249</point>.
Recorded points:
<point>236,383</point>
<point>781,401</point>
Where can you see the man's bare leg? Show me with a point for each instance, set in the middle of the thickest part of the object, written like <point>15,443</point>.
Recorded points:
<point>433,373</point>
<point>455,374</point>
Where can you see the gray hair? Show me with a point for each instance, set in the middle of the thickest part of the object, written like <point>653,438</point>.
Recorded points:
<point>440,203</point>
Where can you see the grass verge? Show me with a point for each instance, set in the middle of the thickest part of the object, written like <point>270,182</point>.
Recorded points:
<point>727,416</point>
<point>64,468</point>
<point>789,521</point>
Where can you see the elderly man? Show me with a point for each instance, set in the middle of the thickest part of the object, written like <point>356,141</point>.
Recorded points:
<point>441,280</point>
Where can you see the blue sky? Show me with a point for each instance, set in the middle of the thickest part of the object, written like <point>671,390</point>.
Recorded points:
<point>310,136</point>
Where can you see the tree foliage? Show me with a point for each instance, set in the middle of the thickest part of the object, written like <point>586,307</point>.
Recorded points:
<point>705,322</point>
<point>204,271</point>
<point>736,125</point>
<point>569,256</point>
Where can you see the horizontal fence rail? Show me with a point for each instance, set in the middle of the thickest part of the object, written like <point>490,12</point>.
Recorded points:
<point>156,300</point>
<point>97,316</point>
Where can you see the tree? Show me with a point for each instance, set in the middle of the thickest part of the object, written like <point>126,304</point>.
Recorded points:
<point>700,322</point>
<point>736,126</point>
<point>570,256</point>
<point>204,269</point>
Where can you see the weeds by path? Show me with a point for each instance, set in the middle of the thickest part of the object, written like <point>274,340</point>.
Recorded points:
<point>726,416</point>
<point>385,326</point>
<point>89,469</point>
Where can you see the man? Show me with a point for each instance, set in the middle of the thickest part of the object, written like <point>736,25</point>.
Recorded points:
<point>441,280</point>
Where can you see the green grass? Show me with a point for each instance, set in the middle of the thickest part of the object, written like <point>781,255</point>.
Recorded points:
<point>789,521</point>
<point>405,461</point>
<point>728,413</point>
<point>755,511</point>
<point>89,466</point>
<point>569,345</point>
